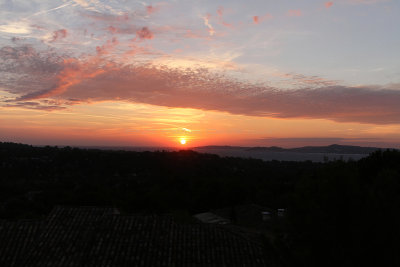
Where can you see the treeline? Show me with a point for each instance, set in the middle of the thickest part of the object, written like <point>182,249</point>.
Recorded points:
<point>34,179</point>
<point>338,213</point>
<point>348,213</point>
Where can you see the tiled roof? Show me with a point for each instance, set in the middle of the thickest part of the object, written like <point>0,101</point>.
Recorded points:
<point>91,236</point>
<point>66,236</point>
<point>16,238</point>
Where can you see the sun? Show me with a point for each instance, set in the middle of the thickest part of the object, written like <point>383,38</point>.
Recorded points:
<point>182,141</point>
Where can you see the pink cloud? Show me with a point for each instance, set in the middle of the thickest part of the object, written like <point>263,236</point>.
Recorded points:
<point>144,33</point>
<point>58,35</point>
<point>295,13</point>
<point>122,29</point>
<point>220,13</point>
<point>47,76</point>
<point>150,9</point>
<point>107,47</point>
<point>201,89</point>
<point>73,73</point>
<point>112,29</point>
<point>195,35</point>
<point>107,17</point>
<point>258,19</point>
<point>328,4</point>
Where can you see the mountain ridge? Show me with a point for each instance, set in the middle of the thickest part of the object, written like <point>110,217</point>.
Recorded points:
<point>330,149</point>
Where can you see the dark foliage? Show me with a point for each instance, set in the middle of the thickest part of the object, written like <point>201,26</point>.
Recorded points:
<point>347,214</point>
<point>338,213</point>
<point>34,179</point>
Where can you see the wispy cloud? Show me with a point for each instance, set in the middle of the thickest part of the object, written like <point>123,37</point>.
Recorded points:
<point>18,27</point>
<point>328,4</point>
<point>53,9</point>
<point>220,13</point>
<point>295,13</point>
<point>207,23</point>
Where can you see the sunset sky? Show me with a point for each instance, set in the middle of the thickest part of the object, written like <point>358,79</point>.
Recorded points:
<point>251,73</point>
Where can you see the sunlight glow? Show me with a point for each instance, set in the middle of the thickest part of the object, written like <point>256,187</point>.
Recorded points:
<point>182,141</point>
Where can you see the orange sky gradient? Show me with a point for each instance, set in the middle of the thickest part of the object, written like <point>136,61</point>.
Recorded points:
<point>112,124</point>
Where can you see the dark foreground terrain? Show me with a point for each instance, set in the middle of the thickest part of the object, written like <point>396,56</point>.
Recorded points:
<point>339,213</point>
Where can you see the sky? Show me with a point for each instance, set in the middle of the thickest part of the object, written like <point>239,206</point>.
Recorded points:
<point>251,73</point>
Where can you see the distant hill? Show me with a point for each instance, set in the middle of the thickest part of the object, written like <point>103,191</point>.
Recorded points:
<point>331,149</point>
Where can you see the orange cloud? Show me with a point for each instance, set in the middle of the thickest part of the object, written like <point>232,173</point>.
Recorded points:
<point>328,4</point>
<point>295,13</point>
<point>258,19</point>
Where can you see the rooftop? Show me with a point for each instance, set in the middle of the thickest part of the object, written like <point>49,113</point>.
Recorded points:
<point>100,236</point>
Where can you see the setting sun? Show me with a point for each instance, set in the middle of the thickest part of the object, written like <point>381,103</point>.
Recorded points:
<point>182,141</point>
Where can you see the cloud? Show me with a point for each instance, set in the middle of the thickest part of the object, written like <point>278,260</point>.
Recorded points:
<point>24,70</point>
<point>82,3</point>
<point>328,4</point>
<point>52,9</point>
<point>152,9</point>
<point>144,33</point>
<point>295,13</point>
<point>112,29</point>
<point>258,19</point>
<point>16,39</point>
<point>107,47</point>
<point>19,27</point>
<point>206,20</point>
<point>202,90</point>
<point>58,35</point>
<point>96,6</point>
<point>123,29</point>
<point>195,34</point>
<point>39,105</point>
<point>107,17</point>
<point>220,13</point>
<point>35,77</point>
